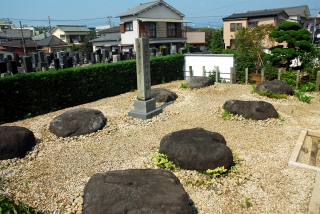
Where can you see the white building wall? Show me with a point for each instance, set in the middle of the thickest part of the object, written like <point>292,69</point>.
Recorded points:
<point>160,12</point>
<point>197,61</point>
<point>128,37</point>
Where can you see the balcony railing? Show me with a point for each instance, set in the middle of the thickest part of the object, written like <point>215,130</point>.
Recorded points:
<point>160,33</point>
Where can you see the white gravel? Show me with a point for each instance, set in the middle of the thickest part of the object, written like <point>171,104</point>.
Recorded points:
<point>52,177</point>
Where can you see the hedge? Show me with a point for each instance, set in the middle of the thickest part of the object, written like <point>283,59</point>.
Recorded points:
<point>32,94</point>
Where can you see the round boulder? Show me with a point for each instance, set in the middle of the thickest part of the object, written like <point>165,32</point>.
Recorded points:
<point>163,95</point>
<point>256,110</point>
<point>196,149</point>
<point>135,191</point>
<point>199,82</point>
<point>15,142</point>
<point>77,122</point>
<point>276,87</point>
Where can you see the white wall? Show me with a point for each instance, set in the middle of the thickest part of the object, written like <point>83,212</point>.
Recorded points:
<point>128,37</point>
<point>224,61</point>
<point>159,12</point>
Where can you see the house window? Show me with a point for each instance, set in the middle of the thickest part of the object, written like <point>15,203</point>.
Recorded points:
<point>62,37</point>
<point>252,24</point>
<point>235,26</point>
<point>128,26</point>
<point>151,29</point>
<point>171,29</point>
<point>232,44</point>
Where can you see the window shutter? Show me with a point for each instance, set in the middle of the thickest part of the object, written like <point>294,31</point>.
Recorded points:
<point>121,28</point>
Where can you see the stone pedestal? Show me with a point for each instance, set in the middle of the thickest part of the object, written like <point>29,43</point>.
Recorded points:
<point>145,109</point>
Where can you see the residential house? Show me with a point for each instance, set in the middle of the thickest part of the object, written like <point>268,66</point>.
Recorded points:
<point>156,20</point>
<point>70,33</point>
<point>274,16</point>
<point>14,35</point>
<point>239,20</point>
<point>53,44</point>
<point>40,36</point>
<point>313,25</point>
<point>197,39</point>
<point>6,25</point>
<point>110,41</point>
<point>17,47</point>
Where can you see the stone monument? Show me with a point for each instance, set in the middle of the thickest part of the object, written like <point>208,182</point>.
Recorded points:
<point>144,106</point>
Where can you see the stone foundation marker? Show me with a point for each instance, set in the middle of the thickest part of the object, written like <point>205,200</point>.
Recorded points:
<point>144,106</point>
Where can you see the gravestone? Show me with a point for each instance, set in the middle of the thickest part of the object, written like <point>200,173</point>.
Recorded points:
<point>92,57</point>
<point>52,56</point>
<point>3,67</point>
<point>144,105</point>
<point>27,62</point>
<point>41,56</point>
<point>48,59</point>
<point>42,66</point>
<point>105,54</point>
<point>81,60</point>
<point>16,57</point>
<point>69,62</point>
<point>88,56</point>
<point>77,57</point>
<point>59,55</point>
<point>97,58</point>
<point>13,67</point>
<point>9,57</point>
<point>56,64</point>
<point>116,58</point>
<point>35,58</point>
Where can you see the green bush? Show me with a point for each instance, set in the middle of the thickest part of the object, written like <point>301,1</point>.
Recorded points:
<point>32,94</point>
<point>7,206</point>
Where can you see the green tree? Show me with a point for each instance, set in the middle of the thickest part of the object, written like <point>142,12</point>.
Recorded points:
<point>297,40</point>
<point>86,46</point>
<point>216,42</point>
<point>74,47</point>
<point>250,42</point>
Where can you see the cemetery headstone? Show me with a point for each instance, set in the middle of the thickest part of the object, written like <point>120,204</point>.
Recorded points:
<point>9,57</point>
<point>105,54</point>
<point>52,56</point>
<point>3,67</point>
<point>13,67</point>
<point>69,62</point>
<point>1,56</point>
<point>144,105</point>
<point>77,57</point>
<point>42,66</point>
<point>81,60</point>
<point>16,57</point>
<point>41,56</point>
<point>27,63</point>
<point>97,58</point>
<point>116,58</point>
<point>92,58</point>
<point>48,59</point>
<point>56,64</point>
<point>35,58</point>
<point>88,56</point>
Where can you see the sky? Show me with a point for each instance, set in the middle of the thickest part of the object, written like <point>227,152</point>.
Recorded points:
<point>92,13</point>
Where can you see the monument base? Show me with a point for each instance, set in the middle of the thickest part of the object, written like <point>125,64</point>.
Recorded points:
<point>145,109</point>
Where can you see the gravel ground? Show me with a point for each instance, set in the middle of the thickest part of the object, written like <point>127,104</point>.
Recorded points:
<point>52,177</point>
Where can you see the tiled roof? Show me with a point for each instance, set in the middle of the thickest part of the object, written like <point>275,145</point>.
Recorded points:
<point>68,28</point>
<point>18,44</point>
<point>256,14</point>
<point>41,36</point>
<point>15,33</point>
<point>291,11</point>
<point>146,6</point>
<point>115,29</point>
<point>51,41</point>
<point>108,37</point>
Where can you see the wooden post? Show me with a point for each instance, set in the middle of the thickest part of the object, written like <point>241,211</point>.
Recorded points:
<point>247,74</point>
<point>318,81</point>
<point>217,74</point>
<point>279,74</point>
<point>231,75</point>
<point>298,79</point>
<point>262,75</point>
<point>204,71</point>
<point>190,71</point>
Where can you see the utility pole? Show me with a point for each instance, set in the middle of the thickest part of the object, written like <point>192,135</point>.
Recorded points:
<point>49,24</point>
<point>24,48</point>
<point>110,20</point>
<point>314,28</point>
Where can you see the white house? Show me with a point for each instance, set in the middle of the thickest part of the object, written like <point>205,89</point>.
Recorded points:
<point>156,20</point>
<point>70,33</point>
